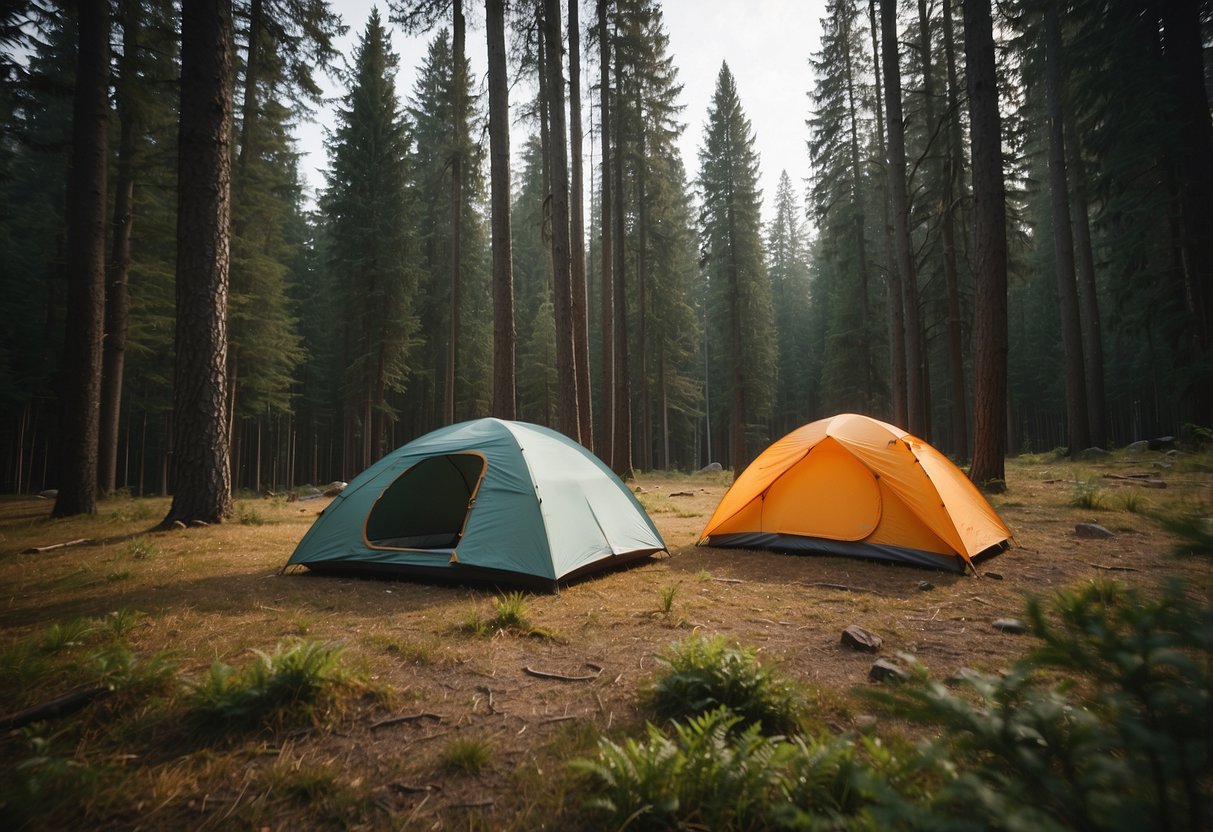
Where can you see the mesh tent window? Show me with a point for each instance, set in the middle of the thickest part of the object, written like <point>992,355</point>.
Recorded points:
<point>427,506</point>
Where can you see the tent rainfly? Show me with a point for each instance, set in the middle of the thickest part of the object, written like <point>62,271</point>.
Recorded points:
<point>852,485</point>
<point>487,500</point>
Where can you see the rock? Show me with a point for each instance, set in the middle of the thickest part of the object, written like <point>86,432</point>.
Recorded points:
<point>925,586</point>
<point>711,468</point>
<point>1163,466</point>
<point>638,489</point>
<point>1093,453</point>
<point>1137,447</point>
<point>1092,531</point>
<point>857,638</point>
<point>864,722</point>
<point>993,576</point>
<point>49,494</point>
<point>884,670</point>
<point>334,488</point>
<point>1162,443</point>
<point>1010,625</point>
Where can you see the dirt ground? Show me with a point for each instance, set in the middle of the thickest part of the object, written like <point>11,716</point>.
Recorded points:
<point>218,592</point>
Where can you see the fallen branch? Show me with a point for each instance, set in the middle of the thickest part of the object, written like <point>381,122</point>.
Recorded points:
<point>1113,568</point>
<point>559,719</point>
<point>35,550</point>
<point>547,674</point>
<point>843,587</point>
<point>729,580</point>
<point>981,601</point>
<point>396,720</point>
<point>63,705</point>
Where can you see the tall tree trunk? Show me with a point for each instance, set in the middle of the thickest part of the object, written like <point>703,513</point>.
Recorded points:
<point>1184,53</point>
<point>201,467</point>
<point>899,196</point>
<point>989,250</point>
<point>1088,297</point>
<point>457,82</point>
<point>562,290</point>
<point>85,266</point>
<point>897,327</point>
<point>621,447</point>
<point>1077,426</point>
<point>951,195</point>
<point>645,460</point>
<point>857,219</point>
<point>581,325</point>
<point>117,297</point>
<point>941,166</point>
<point>504,335</point>
<point>737,438</point>
<point>606,407</point>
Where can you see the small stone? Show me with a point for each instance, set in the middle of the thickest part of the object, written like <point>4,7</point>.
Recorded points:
<point>49,494</point>
<point>993,576</point>
<point>1092,531</point>
<point>925,586</point>
<point>1010,625</point>
<point>857,638</point>
<point>884,670</point>
<point>865,722</point>
<point>1164,466</point>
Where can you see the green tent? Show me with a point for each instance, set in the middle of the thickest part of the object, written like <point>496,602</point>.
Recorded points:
<point>488,499</point>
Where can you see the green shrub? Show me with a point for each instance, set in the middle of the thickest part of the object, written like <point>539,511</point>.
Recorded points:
<point>470,755</point>
<point>271,687</point>
<point>1088,495</point>
<point>702,675</point>
<point>1120,737</point>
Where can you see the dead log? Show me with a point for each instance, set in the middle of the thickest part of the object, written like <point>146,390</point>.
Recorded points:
<point>34,550</point>
<point>547,674</point>
<point>60,706</point>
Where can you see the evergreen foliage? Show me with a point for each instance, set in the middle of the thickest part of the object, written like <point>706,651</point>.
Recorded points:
<point>740,315</point>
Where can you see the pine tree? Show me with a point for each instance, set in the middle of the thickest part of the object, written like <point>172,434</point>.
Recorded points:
<point>990,250</point>
<point>201,473</point>
<point>738,284</point>
<point>370,209</point>
<point>788,266</point>
<point>87,194</point>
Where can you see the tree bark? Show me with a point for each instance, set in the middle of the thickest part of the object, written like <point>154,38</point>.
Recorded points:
<point>562,291</point>
<point>581,326</point>
<point>606,409</point>
<point>960,420</point>
<point>989,249</point>
<point>896,159</point>
<point>200,463</point>
<point>80,423</point>
<point>1088,297</point>
<point>117,296</point>
<point>897,329</point>
<point>1077,427</point>
<point>504,334</point>
<point>1185,56</point>
<point>457,83</point>
<point>621,447</point>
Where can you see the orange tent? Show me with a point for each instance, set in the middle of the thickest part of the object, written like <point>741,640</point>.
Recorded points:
<point>852,485</point>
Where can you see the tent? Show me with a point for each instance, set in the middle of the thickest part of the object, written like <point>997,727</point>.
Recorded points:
<point>852,485</point>
<point>492,500</point>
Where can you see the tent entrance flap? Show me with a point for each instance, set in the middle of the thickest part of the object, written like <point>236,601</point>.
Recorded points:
<point>427,506</point>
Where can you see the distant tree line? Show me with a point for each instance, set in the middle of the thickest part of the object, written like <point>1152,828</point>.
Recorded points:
<point>1000,239</point>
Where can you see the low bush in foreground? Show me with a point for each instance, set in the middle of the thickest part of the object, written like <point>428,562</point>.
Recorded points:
<point>1106,724</point>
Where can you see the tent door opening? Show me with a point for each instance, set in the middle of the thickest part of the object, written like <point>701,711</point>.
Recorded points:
<point>427,507</point>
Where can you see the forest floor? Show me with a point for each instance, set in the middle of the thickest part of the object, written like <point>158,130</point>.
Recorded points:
<point>220,593</point>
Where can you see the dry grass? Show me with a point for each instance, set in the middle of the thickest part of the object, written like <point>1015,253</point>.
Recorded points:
<point>219,593</point>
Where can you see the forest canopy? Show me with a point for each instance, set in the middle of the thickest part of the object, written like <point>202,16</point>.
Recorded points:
<point>991,238</point>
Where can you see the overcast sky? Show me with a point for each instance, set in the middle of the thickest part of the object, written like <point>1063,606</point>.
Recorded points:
<point>766,43</point>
